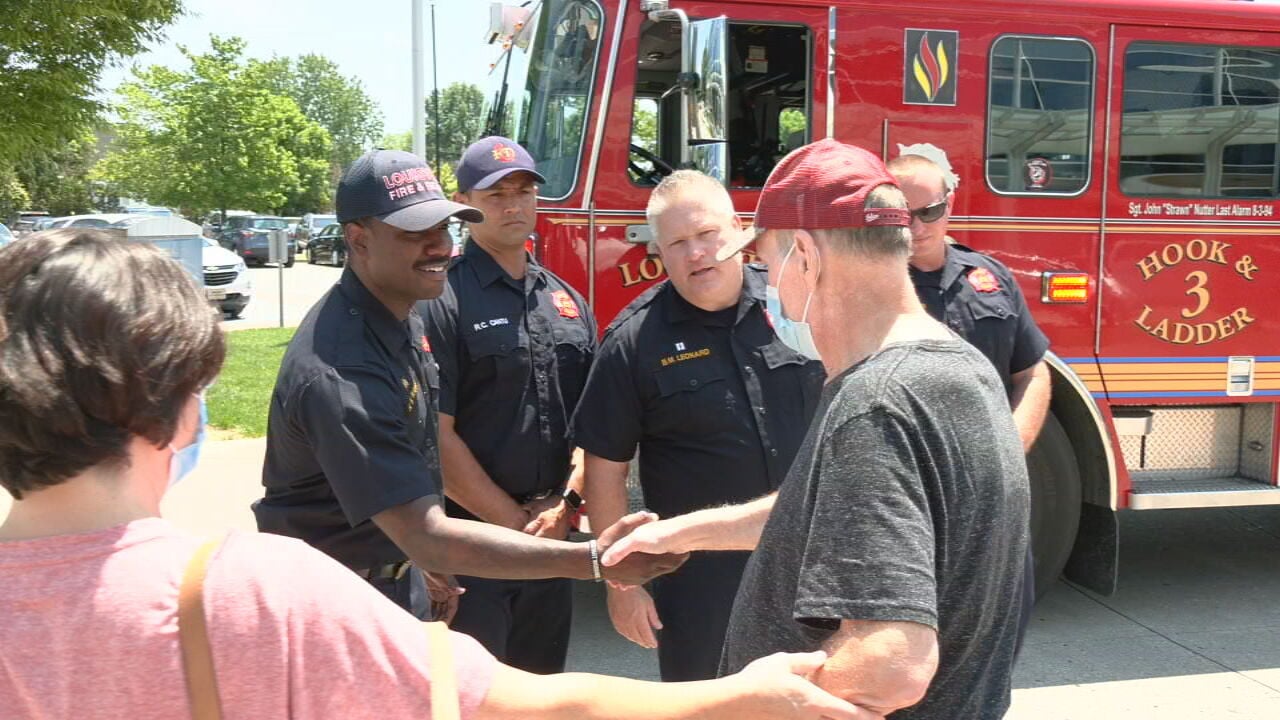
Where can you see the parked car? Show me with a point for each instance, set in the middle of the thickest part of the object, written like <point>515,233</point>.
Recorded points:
<point>226,279</point>
<point>212,223</point>
<point>293,225</point>
<point>247,236</point>
<point>97,220</point>
<point>151,210</point>
<point>328,246</point>
<point>455,232</point>
<point>6,237</point>
<point>310,224</point>
<point>27,220</point>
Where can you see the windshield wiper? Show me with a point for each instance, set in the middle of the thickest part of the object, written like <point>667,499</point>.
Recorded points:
<point>496,118</point>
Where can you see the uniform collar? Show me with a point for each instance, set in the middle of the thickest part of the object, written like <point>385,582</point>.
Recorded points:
<point>754,281</point>
<point>488,271</point>
<point>957,264</point>
<point>680,310</point>
<point>390,332</point>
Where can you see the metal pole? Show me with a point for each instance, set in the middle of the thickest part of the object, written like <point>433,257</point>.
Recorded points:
<point>435,87</point>
<point>419,89</point>
<point>278,252</point>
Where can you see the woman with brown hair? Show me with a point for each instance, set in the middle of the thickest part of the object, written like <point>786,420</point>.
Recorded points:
<point>106,347</point>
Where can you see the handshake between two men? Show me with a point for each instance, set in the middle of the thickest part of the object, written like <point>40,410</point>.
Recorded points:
<point>634,568</point>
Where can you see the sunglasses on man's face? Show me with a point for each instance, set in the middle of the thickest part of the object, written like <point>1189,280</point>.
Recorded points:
<point>930,213</point>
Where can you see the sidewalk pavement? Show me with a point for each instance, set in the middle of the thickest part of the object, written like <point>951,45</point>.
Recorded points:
<point>217,494</point>
<point>215,497</point>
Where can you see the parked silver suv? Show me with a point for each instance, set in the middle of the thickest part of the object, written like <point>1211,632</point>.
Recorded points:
<point>310,225</point>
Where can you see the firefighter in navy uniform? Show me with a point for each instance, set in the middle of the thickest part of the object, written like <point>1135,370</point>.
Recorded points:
<point>692,375</point>
<point>977,297</point>
<point>352,464</point>
<point>514,343</point>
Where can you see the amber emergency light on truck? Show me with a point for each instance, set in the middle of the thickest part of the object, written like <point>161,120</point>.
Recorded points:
<point>1119,157</point>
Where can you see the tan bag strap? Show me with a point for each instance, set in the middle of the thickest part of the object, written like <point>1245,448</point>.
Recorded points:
<point>444,684</point>
<point>197,657</point>
<point>193,632</point>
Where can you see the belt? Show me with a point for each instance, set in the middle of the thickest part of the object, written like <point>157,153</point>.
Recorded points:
<point>539,495</point>
<point>390,571</point>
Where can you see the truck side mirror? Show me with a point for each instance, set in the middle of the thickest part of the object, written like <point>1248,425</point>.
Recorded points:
<point>704,58</point>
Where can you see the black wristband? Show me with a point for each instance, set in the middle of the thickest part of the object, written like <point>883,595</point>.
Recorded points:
<point>572,498</point>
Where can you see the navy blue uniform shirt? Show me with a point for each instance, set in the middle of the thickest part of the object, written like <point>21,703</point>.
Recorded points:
<point>352,427</point>
<point>976,296</point>
<point>715,401</point>
<point>513,355</point>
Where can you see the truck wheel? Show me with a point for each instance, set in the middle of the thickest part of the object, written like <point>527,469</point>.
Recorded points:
<point>1055,502</point>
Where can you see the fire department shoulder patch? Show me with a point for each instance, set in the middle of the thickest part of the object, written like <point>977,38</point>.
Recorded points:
<point>983,281</point>
<point>564,304</point>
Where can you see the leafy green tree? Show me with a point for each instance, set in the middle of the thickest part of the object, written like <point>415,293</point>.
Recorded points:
<point>398,141</point>
<point>791,121</point>
<point>213,137</point>
<point>461,121</point>
<point>57,178</point>
<point>52,53</point>
<point>325,95</point>
<point>448,180</point>
<point>644,125</point>
<point>13,196</point>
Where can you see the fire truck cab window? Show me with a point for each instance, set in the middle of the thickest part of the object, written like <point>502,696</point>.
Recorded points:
<point>768,100</point>
<point>1200,121</point>
<point>540,89</point>
<point>1040,115</point>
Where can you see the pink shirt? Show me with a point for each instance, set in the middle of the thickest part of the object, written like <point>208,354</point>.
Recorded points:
<point>89,629</point>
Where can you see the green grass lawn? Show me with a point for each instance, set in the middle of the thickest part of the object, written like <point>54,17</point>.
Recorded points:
<point>239,399</point>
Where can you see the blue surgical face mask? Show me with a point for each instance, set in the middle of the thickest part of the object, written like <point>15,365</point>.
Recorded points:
<point>795,334</point>
<point>183,461</point>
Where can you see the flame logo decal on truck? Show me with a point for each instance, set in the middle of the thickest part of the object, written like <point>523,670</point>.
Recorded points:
<point>931,70</point>
<point>929,75</point>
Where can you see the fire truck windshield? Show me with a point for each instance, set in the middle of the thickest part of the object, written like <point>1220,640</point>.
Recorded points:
<point>539,94</point>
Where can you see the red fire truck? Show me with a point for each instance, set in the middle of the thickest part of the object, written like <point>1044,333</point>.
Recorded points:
<point>1119,156</point>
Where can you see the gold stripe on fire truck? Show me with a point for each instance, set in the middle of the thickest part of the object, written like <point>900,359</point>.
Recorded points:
<point>1169,377</point>
<point>1019,225</point>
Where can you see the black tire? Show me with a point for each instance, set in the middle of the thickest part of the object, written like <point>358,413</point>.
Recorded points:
<point>311,258</point>
<point>289,263</point>
<point>340,259</point>
<point>1055,502</point>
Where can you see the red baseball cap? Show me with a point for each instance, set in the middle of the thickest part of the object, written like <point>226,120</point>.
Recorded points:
<point>822,185</point>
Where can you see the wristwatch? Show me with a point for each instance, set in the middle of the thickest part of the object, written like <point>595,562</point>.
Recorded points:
<point>572,498</point>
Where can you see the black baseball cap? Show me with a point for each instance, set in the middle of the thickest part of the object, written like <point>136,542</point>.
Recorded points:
<point>489,160</point>
<point>399,189</point>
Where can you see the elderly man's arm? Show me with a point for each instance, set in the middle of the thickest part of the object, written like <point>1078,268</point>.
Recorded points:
<point>1029,398</point>
<point>731,527</point>
<point>880,666</point>
<point>441,544</point>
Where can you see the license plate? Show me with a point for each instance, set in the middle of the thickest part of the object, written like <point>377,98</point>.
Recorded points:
<point>216,294</point>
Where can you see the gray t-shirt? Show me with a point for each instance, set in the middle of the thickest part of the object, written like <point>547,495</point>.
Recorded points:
<point>908,501</point>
